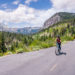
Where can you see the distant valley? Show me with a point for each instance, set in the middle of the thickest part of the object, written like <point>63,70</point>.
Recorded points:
<point>25,30</point>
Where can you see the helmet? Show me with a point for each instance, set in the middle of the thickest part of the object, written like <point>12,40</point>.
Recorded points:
<point>58,36</point>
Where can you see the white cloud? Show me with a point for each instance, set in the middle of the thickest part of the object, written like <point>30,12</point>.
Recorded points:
<point>16,2</point>
<point>64,5</point>
<point>29,1</point>
<point>21,14</point>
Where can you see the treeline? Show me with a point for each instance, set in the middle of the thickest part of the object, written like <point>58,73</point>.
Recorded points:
<point>13,41</point>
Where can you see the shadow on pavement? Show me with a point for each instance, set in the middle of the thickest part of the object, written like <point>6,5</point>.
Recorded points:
<point>61,53</point>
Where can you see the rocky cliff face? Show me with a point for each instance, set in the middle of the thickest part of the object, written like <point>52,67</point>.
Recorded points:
<point>54,19</point>
<point>57,18</point>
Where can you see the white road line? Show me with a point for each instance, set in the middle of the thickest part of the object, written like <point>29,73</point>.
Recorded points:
<point>53,67</point>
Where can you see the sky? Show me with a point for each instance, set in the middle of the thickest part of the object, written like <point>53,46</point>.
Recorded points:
<point>31,13</point>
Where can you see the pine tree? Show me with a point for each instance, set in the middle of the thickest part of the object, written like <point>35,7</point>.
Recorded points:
<point>12,48</point>
<point>3,47</point>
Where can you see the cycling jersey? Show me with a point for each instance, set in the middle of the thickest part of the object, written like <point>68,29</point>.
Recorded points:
<point>58,40</point>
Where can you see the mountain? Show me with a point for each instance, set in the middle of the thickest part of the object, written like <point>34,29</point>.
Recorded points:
<point>28,30</point>
<point>25,30</point>
<point>61,16</point>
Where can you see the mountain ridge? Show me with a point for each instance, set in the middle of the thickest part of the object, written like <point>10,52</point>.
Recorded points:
<point>25,30</point>
<point>58,17</point>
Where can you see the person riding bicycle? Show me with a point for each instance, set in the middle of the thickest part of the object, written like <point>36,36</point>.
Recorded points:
<point>58,43</point>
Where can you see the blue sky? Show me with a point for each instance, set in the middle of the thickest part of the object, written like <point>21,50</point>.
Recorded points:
<point>40,4</point>
<point>33,13</point>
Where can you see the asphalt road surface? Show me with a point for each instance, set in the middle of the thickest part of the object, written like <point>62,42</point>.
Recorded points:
<point>43,62</point>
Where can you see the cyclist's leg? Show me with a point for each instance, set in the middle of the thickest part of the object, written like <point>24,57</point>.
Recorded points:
<point>59,47</point>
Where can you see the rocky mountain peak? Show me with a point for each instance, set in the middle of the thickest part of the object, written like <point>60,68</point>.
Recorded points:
<point>60,16</point>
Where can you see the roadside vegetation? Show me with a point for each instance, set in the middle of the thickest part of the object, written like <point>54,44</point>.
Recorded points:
<point>11,43</point>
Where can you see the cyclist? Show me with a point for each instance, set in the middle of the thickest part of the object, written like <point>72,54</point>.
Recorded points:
<point>58,43</point>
